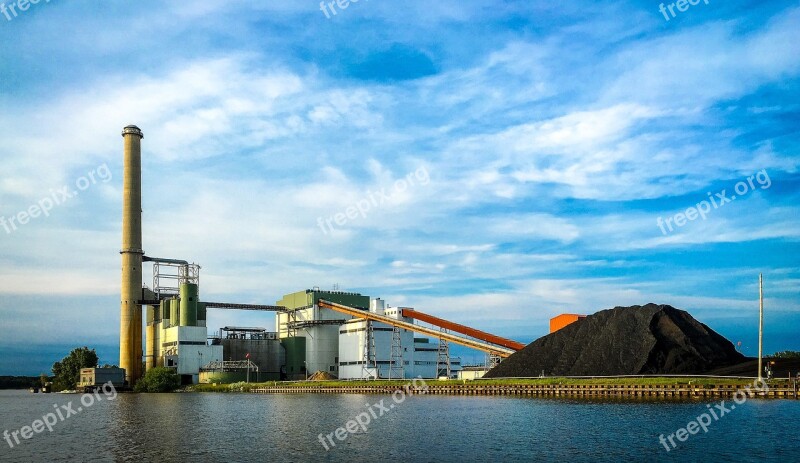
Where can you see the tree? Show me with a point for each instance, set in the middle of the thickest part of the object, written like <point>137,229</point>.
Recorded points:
<point>787,354</point>
<point>67,372</point>
<point>18,382</point>
<point>159,379</point>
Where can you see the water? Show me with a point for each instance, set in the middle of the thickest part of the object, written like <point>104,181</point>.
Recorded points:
<point>248,427</point>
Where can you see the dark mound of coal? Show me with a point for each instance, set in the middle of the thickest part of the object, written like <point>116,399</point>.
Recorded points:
<point>637,340</point>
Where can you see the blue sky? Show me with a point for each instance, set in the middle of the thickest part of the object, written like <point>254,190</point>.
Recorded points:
<point>524,151</point>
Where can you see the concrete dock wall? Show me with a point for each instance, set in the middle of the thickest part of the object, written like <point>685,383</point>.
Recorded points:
<point>777,391</point>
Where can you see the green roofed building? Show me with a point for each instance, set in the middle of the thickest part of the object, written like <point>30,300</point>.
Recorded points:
<point>318,326</point>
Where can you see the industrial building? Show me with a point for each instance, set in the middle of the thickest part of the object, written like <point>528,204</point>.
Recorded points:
<point>342,334</point>
<point>472,372</point>
<point>93,378</point>
<point>176,334</point>
<point>256,345</point>
<point>560,321</point>
<point>347,347</point>
<point>311,333</point>
<point>231,371</point>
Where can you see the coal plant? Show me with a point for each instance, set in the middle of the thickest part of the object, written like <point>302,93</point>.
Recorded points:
<point>339,334</point>
<point>348,335</point>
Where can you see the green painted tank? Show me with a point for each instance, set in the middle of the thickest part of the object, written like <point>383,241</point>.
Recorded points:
<point>188,293</point>
<point>174,308</point>
<point>164,314</point>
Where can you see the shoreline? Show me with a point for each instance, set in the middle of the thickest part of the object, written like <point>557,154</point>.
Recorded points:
<point>663,388</point>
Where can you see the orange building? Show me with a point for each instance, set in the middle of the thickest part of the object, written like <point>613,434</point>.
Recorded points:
<point>563,320</point>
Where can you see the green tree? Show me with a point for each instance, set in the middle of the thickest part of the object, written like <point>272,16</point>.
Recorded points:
<point>67,372</point>
<point>159,379</point>
<point>787,354</point>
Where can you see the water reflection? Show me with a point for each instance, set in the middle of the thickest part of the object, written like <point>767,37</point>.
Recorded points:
<point>245,427</point>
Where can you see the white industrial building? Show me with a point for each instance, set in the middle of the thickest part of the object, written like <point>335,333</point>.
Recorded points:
<point>317,327</point>
<point>186,349</point>
<point>176,335</point>
<point>369,349</point>
<point>320,339</point>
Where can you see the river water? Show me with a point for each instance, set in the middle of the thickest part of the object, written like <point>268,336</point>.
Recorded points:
<point>207,427</point>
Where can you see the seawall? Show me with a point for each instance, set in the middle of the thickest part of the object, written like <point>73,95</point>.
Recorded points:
<point>788,390</point>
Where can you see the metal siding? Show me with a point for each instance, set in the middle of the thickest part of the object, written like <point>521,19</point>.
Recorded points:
<point>295,356</point>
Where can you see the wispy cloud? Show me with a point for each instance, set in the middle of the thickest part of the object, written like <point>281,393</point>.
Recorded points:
<point>554,137</point>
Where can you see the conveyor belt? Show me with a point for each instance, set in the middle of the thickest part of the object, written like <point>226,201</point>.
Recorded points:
<point>458,339</point>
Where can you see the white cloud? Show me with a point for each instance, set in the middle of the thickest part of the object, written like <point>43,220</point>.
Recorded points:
<point>549,161</point>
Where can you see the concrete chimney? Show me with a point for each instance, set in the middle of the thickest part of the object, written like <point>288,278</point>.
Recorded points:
<point>130,319</point>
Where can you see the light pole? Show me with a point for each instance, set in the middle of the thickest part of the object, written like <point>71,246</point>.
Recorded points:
<point>247,357</point>
<point>760,322</point>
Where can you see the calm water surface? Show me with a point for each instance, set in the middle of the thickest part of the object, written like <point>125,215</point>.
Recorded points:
<point>244,427</point>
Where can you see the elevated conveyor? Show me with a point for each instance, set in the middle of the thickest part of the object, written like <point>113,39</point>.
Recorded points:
<point>459,328</point>
<point>478,344</point>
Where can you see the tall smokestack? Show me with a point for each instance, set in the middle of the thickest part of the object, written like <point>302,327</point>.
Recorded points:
<point>130,319</point>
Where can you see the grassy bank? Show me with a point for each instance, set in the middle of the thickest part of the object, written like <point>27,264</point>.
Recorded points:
<point>649,381</point>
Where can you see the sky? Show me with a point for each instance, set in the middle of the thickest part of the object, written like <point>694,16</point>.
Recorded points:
<point>493,163</point>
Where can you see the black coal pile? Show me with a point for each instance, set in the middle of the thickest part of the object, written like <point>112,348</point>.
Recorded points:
<point>637,340</point>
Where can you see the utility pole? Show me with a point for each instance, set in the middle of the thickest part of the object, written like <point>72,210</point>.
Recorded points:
<point>760,322</point>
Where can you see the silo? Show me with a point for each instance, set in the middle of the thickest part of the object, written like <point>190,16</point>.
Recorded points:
<point>165,316</point>
<point>188,293</point>
<point>174,312</point>
<point>150,337</point>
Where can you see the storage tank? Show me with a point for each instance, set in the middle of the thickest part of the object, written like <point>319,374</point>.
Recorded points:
<point>165,315</point>
<point>188,293</point>
<point>174,309</point>
<point>150,346</point>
